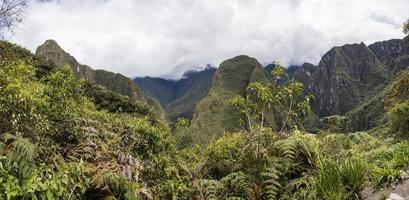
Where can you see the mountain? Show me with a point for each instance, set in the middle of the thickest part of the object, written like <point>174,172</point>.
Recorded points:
<point>213,114</point>
<point>290,70</point>
<point>353,80</point>
<point>178,97</point>
<point>345,77</point>
<point>115,82</point>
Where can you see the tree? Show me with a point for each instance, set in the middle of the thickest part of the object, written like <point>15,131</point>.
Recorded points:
<point>284,96</point>
<point>259,98</point>
<point>11,14</point>
<point>406,27</point>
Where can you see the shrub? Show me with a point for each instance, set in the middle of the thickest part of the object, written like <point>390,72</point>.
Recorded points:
<point>224,155</point>
<point>352,173</point>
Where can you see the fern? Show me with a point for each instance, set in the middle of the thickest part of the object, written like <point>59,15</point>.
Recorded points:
<point>300,188</point>
<point>270,176</point>
<point>210,189</point>
<point>22,150</point>
<point>287,148</point>
<point>239,183</point>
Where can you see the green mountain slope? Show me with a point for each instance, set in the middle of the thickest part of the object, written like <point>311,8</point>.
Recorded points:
<point>345,78</point>
<point>213,114</point>
<point>116,82</point>
<point>353,80</point>
<point>179,98</point>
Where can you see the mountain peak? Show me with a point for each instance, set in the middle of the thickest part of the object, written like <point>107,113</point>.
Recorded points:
<point>49,45</point>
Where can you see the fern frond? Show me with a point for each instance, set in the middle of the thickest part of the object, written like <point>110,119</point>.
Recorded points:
<point>270,176</point>
<point>287,148</point>
<point>239,183</point>
<point>22,150</point>
<point>210,189</point>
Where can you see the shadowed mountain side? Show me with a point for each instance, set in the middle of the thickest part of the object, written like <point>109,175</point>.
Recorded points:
<point>214,115</point>
<point>179,98</point>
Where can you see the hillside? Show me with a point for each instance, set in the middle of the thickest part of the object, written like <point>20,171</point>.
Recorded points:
<point>213,114</point>
<point>115,82</point>
<point>353,80</point>
<point>179,97</point>
<point>64,138</point>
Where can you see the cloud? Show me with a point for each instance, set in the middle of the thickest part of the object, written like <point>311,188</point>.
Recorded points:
<point>167,37</point>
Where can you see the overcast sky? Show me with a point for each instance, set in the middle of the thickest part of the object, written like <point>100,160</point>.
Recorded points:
<point>166,37</point>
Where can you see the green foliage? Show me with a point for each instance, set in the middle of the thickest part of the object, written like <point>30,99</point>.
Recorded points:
<point>340,180</point>
<point>399,118</point>
<point>385,175</point>
<point>352,173</point>
<point>21,106</point>
<point>59,141</point>
<point>65,95</point>
<point>399,109</point>
<point>54,138</point>
<point>278,73</point>
<point>239,185</point>
<point>259,98</point>
<point>328,181</point>
<point>210,189</point>
<point>181,135</point>
<point>224,155</point>
<point>271,175</point>
<point>405,27</point>
<point>335,123</point>
<point>113,102</point>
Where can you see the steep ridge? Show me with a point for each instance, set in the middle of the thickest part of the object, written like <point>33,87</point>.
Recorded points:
<point>372,112</point>
<point>345,78</point>
<point>163,90</point>
<point>353,80</point>
<point>393,53</point>
<point>179,97</point>
<point>213,114</point>
<point>290,70</point>
<point>116,82</point>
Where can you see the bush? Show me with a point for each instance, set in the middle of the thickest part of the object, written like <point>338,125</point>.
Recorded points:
<point>399,118</point>
<point>224,155</point>
<point>352,173</point>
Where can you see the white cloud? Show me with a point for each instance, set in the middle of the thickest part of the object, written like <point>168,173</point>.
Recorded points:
<point>166,37</point>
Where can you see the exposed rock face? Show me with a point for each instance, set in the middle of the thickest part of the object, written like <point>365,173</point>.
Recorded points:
<point>353,80</point>
<point>387,51</point>
<point>51,51</point>
<point>179,98</point>
<point>393,53</point>
<point>304,73</point>
<point>213,114</point>
<point>344,78</point>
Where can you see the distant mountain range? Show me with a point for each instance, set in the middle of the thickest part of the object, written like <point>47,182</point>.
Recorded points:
<point>179,97</point>
<point>349,80</point>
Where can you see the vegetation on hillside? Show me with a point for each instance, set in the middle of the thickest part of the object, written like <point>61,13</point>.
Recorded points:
<point>63,138</point>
